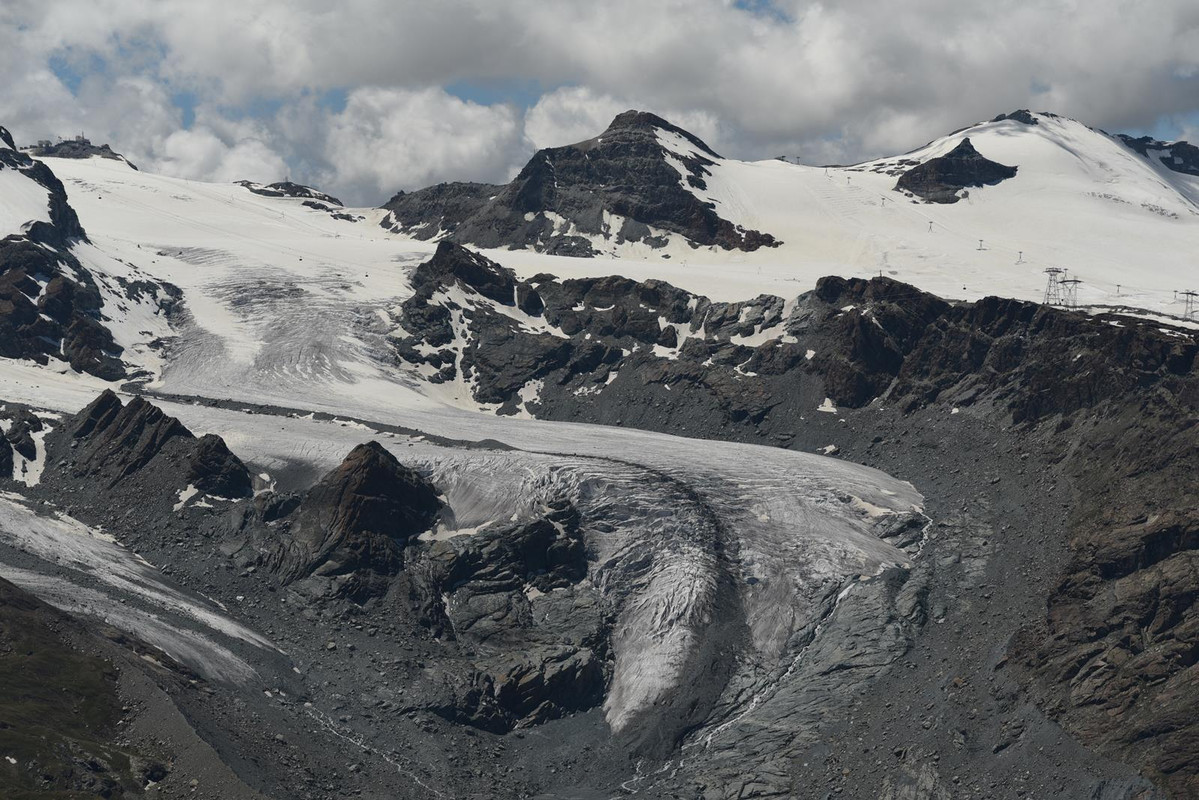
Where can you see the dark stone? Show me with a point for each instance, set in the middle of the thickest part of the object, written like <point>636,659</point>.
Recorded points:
<point>624,171</point>
<point>1023,115</point>
<point>289,189</point>
<point>352,526</point>
<point>939,180</point>
<point>1178,156</point>
<point>20,433</point>
<point>215,470</point>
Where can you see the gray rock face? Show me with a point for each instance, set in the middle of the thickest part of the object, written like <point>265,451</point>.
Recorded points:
<point>64,321</point>
<point>939,180</point>
<point>348,532</point>
<point>1179,156</point>
<point>289,189</point>
<point>564,194</point>
<point>135,450</point>
<point>594,331</point>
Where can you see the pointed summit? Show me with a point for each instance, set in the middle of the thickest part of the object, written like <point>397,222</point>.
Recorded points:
<point>639,181</point>
<point>939,180</point>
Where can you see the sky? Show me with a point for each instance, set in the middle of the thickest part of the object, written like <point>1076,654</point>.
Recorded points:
<point>364,98</point>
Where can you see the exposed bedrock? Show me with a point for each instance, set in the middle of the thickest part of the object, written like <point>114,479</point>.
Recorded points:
<point>941,179</point>
<point>627,184</point>
<point>1104,405</point>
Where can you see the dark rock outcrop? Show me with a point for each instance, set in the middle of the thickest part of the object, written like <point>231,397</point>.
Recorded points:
<point>1178,156</point>
<point>20,433</point>
<point>350,529</point>
<point>63,322</point>
<point>1022,115</point>
<point>74,148</point>
<point>6,460</point>
<point>431,212</point>
<point>50,307</point>
<point>289,189</point>
<point>565,194</point>
<point>140,451</point>
<point>579,335</point>
<point>939,180</point>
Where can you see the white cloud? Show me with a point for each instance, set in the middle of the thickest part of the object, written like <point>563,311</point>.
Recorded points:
<point>829,81</point>
<point>201,154</point>
<point>388,139</point>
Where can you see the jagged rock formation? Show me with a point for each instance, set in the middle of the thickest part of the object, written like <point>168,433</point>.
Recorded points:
<point>347,534</point>
<point>939,180</point>
<point>138,450</point>
<point>576,338</point>
<point>50,307</point>
<point>630,183</point>
<point>1179,156</point>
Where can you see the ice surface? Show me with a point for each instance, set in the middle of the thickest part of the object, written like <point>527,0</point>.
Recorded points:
<point>95,576</point>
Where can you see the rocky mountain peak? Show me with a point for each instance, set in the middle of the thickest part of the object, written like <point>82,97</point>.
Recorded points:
<point>6,138</point>
<point>638,181</point>
<point>939,180</point>
<point>647,122</point>
<point>352,526</point>
<point>1020,115</point>
<point>137,441</point>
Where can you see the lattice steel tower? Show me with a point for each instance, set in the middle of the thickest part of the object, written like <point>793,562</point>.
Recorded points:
<point>1053,289</point>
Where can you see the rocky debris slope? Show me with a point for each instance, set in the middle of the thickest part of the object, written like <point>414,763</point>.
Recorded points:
<point>1108,404</point>
<point>60,710</point>
<point>632,183</point>
<point>363,536</point>
<point>942,179</point>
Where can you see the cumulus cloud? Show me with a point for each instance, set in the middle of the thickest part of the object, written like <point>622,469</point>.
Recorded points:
<point>825,81</point>
<point>386,139</point>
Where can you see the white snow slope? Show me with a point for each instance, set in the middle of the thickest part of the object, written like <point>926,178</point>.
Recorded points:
<point>1081,201</point>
